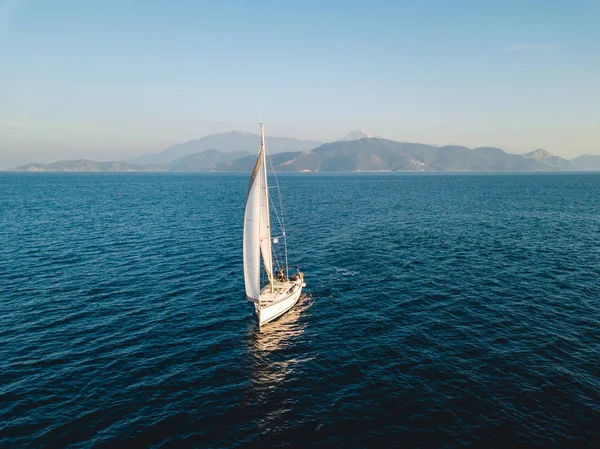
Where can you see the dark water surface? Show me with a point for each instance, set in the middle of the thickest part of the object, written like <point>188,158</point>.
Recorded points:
<point>441,310</point>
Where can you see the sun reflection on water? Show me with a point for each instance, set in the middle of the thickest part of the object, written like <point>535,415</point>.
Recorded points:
<point>276,362</point>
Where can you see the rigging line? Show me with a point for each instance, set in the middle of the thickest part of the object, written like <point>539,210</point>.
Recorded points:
<point>280,259</point>
<point>278,219</point>
<point>282,215</point>
<point>282,221</point>
<point>276,259</point>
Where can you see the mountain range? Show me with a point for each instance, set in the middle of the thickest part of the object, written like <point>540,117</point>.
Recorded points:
<point>357,151</point>
<point>229,142</point>
<point>376,154</point>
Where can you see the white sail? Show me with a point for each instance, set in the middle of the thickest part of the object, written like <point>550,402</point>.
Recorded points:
<point>265,224</point>
<point>257,228</point>
<point>252,235</point>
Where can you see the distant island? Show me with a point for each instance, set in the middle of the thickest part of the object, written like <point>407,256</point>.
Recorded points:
<point>235,151</point>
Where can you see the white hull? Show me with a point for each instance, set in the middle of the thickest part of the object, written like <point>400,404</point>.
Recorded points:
<point>272,306</point>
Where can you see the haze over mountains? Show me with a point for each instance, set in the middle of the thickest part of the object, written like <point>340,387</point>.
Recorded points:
<point>357,151</point>
<point>356,135</point>
<point>229,142</point>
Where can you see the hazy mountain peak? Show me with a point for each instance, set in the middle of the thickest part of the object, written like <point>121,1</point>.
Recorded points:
<point>548,159</point>
<point>227,142</point>
<point>357,134</point>
<point>537,154</point>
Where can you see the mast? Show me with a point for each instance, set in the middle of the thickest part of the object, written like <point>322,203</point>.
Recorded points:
<point>265,222</point>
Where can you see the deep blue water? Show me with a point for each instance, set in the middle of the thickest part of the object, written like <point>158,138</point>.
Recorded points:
<point>441,310</point>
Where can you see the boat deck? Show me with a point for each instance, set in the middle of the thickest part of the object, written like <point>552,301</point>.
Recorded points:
<point>281,290</point>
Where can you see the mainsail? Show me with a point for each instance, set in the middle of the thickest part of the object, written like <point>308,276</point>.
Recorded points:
<point>257,229</point>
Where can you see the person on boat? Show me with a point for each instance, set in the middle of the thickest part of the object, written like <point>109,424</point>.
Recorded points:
<point>281,275</point>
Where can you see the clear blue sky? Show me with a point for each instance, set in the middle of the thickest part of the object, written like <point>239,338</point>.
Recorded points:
<point>113,78</point>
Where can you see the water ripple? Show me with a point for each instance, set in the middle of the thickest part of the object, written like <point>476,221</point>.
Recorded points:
<point>440,311</point>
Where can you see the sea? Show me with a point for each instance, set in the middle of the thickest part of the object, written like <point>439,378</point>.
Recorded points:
<point>440,310</point>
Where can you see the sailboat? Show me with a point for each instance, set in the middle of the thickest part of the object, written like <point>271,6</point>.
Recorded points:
<point>281,292</point>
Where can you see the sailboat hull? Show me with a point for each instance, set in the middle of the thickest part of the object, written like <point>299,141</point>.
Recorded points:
<point>268,310</point>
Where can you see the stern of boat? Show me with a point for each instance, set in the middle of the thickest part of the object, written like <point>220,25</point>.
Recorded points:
<point>272,304</point>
